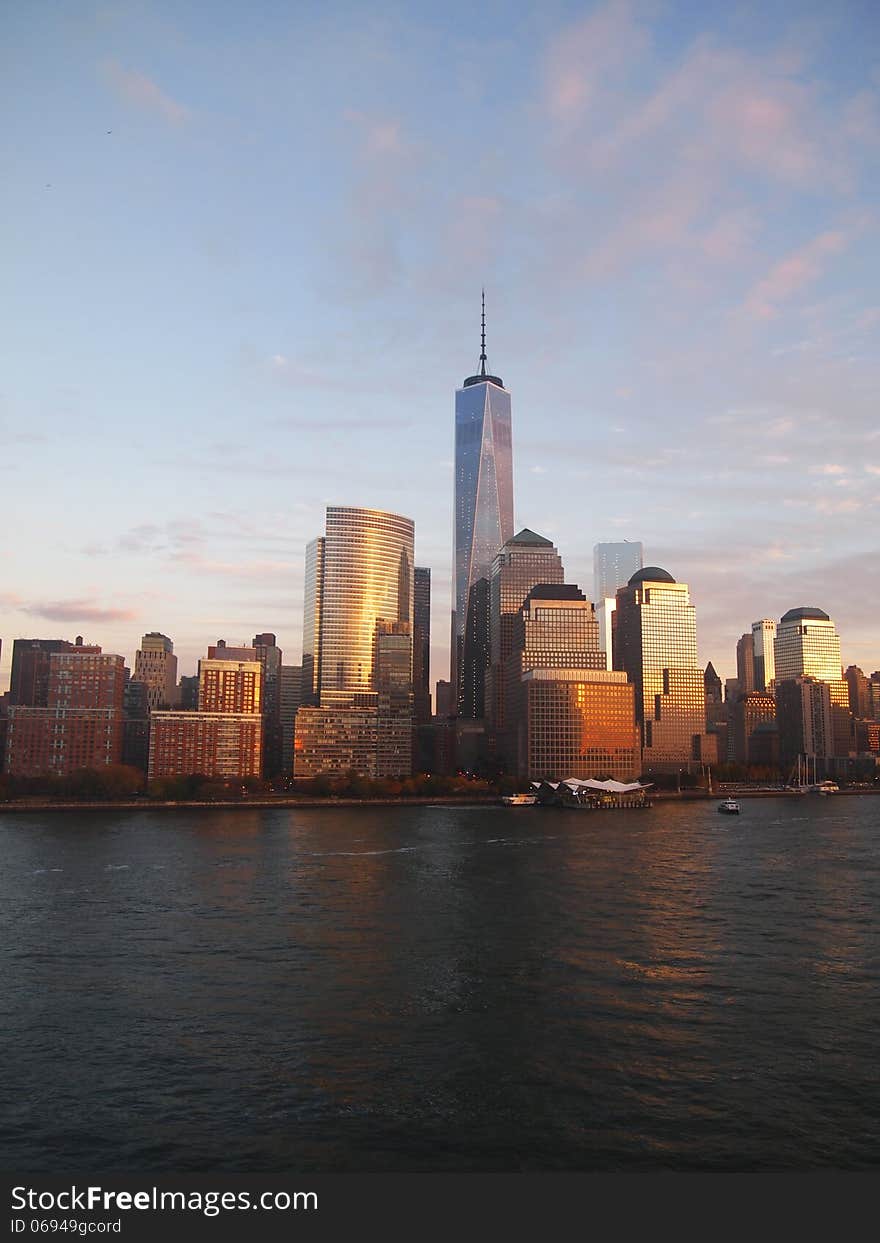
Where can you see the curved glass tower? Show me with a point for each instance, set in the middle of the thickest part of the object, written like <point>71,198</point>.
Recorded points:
<point>483,496</point>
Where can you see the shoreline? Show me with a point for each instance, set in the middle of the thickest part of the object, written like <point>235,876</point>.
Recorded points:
<point>263,803</point>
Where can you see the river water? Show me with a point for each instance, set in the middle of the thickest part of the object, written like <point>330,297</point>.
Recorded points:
<point>440,988</point>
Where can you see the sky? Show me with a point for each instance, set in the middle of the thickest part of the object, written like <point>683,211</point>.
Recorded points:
<point>243,253</point>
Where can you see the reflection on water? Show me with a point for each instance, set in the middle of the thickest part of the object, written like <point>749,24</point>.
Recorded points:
<point>442,988</point>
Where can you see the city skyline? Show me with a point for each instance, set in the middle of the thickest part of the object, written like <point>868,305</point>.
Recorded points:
<point>208,344</point>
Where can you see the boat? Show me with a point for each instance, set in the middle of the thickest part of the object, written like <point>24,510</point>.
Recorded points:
<point>519,800</point>
<point>730,807</point>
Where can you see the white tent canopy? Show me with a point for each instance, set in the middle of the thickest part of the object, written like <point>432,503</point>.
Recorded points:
<point>609,787</point>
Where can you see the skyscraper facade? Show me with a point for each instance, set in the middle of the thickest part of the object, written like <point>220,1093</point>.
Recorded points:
<point>358,633</point>
<point>807,645</point>
<point>763,659</point>
<point>745,663</point>
<point>422,644</point>
<point>483,518</point>
<point>313,589</point>
<point>613,567</point>
<point>155,665</point>
<point>657,647</point>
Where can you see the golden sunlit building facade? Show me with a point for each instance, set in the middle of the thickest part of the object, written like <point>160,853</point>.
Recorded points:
<point>578,723</point>
<point>656,646</point>
<point>358,634</point>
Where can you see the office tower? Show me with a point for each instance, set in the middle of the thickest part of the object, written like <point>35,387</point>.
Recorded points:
<point>874,696</point>
<point>29,681</point>
<point>858,688</point>
<point>230,680</point>
<point>226,745</point>
<point>444,700</point>
<point>269,655</point>
<point>313,589</point>
<point>763,659</point>
<point>521,564</point>
<point>613,567</point>
<point>749,712</point>
<point>657,647</point>
<point>422,644</point>
<point>81,725</point>
<point>808,646</point>
<point>136,724</point>
<point>555,629</point>
<point>805,722</point>
<point>578,723</point>
<point>156,666</point>
<point>475,663</point>
<point>745,663</point>
<point>188,693</point>
<point>362,651</point>
<point>290,690</point>
<point>483,496</point>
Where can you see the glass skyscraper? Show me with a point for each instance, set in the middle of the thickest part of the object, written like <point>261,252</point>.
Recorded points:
<point>357,647</point>
<point>483,493</point>
<point>613,567</point>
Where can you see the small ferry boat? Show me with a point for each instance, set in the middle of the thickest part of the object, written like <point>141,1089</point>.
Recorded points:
<point>730,807</point>
<point>519,800</point>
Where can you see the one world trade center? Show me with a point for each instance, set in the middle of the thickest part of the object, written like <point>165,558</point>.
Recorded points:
<point>483,514</point>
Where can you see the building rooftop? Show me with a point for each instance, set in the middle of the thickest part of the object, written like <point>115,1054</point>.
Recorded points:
<point>650,574</point>
<point>805,613</point>
<point>530,539</point>
<point>555,591</point>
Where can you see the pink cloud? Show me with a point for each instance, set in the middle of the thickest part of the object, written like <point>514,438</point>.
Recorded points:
<point>136,88</point>
<point>791,274</point>
<point>587,54</point>
<point>77,610</point>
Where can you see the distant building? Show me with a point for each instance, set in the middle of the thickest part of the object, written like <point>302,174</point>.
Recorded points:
<point>188,693</point>
<point>269,655</point>
<point>290,700</point>
<point>136,724</point>
<point>313,595</point>
<point>155,665</point>
<point>211,744</point>
<point>803,716</point>
<point>230,680</point>
<point>859,691</point>
<point>657,647</point>
<point>613,566</point>
<point>763,658</point>
<point>750,711</point>
<point>422,644</point>
<point>82,723</point>
<point>745,663</point>
<point>521,564</point>
<point>444,700</point>
<point>29,682</point>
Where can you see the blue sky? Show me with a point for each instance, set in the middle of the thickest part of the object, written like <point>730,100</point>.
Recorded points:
<point>256,294</point>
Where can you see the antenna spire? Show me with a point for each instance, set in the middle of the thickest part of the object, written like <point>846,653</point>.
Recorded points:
<point>483,338</point>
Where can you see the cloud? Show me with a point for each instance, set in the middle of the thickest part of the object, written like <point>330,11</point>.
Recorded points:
<point>76,610</point>
<point>136,88</point>
<point>793,273</point>
<point>830,468</point>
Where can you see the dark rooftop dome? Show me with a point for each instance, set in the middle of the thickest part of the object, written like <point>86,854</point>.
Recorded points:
<point>555,591</point>
<point>650,574</point>
<point>805,613</point>
<point>531,539</point>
